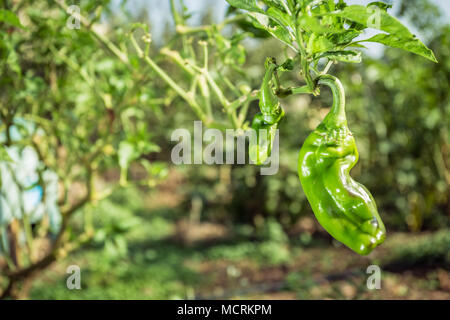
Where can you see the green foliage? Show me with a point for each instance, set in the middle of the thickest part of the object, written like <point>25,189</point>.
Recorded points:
<point>83,105</point>
<point>113,221</point>
<point>427,252</point>
<point>403,153</point>
<point>321,30</point>
<point>10,18</point>
<point>398,35</point>
<point>273,231</point>
<point>266,252</point>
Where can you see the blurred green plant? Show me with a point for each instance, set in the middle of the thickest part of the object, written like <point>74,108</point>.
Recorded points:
<point>428,252</point>
<point>90,112</point>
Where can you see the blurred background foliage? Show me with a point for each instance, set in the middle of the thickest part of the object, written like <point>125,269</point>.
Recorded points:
<point>226,231</point>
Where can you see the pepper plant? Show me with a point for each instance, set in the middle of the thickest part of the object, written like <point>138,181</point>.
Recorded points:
<point>78,132</point>
<point>316,34</point>
<point>321,33</point>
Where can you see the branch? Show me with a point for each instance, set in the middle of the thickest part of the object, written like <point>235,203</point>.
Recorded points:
<point>110,45</point>
<point>58,246</point>
<point>180,91</point>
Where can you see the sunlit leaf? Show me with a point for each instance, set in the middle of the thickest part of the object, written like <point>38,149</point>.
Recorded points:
<point>274,4</point>
<point>377,18</point>
<point>249,5</point>
<point>411,44</point>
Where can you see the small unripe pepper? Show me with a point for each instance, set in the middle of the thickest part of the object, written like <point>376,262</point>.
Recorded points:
<point>344,207</point>
<point>268,102</point>
<point>266,122</point>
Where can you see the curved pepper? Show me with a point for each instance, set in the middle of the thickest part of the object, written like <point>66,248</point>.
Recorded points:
<point>344,207</point>
<point>268,102</point>
<point>266,122</point>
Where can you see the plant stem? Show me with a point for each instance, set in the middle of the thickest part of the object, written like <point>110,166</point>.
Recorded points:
<point>111,46</point>
<point>176,57</point>
<point>304,57</point>
<point>180,91</point>
<point>338,108</point>
<point>327,67</point>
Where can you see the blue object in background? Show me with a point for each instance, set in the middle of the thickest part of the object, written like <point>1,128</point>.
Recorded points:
<point>21,188</point>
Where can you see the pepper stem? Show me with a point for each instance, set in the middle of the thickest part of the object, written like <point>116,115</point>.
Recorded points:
<point>338,108</point>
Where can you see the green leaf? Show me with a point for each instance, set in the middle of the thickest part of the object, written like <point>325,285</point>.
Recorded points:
<point>399,36</point>
<point>9,17</point>
<point>344,38</point>
<point>319,44</point>
<point>282,34</point>
<point>249,5</point>
<point>275,20</point>
<point>380,5</point>
<point>288,65</point>
<point>371,18</point>
<point>248,26</point>
<point>155,170</point>
<point>263,22</point>
<point>274,4</point>
<point>344,56</point>
<point>355,45</point>
<point>312,24</point>
<point>279,16</point>
<point>411,44</point>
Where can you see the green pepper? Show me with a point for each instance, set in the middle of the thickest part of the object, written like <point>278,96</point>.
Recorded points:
<point>344,207</point>
<point>265,123</point>
<point>270,107</point>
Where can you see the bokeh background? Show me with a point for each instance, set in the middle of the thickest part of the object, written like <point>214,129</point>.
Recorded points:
<point>225,231</point>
